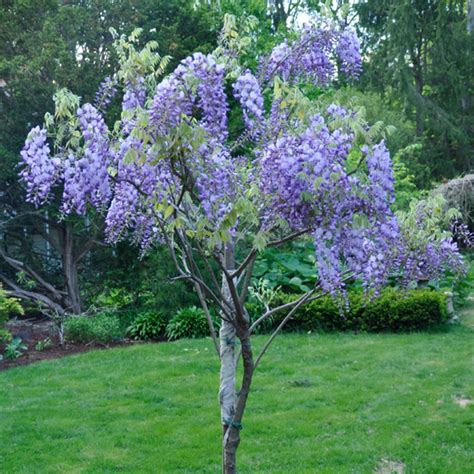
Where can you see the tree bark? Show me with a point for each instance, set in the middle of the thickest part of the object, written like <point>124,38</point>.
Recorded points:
<point>232,431</point>
<point>69,266</point>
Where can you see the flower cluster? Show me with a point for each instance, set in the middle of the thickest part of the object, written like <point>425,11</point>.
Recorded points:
<point>249,93</point>
<point>170,102</point>
<point>40,170</point>
<point>85,177</point>
<point>348,52</point>
<point>312,56</point>
<point>105,93</point>
<point>209,91</point>
<point>135,94</point>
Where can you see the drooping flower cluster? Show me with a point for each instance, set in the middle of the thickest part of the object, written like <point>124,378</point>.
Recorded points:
<point>348,52</point>
<point>170,102</point>
<point>105,93</point>
<point>40,171</point>
<point>462,234</point>
<point>135,94</point>
<point>313,55</point>
<point>85,176</point>
<point>209,92</point>
<point>134,193</point>
<point>249,93</point>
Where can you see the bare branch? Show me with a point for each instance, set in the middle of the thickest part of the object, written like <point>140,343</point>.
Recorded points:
<point>246,282</point>
<point>22,267</point>
<point>280,326</point>
<point>248,259</point>
<point>276,243</point>
<point>209,318</point>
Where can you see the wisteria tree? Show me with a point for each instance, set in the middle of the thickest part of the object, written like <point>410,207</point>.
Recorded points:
<point>173,171</point>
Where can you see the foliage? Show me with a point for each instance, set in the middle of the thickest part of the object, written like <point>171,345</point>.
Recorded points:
<point>14,349</point>
<point>5,336</point>
<point>459,193</point>
<point>148,325</point>
<point>131,285</point>
<point>391,310</point>
<point>102,328</point>
<point>419,57</point>
<point>291,269</point>
<point>462,288</point>
<point>188,323</point>
<point>8,306</point>
<point>43,344</point>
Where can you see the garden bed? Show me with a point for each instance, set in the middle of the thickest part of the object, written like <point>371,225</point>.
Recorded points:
<point>35,330</point>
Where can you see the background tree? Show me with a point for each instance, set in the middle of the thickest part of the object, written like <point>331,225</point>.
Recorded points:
<point>419,56</point>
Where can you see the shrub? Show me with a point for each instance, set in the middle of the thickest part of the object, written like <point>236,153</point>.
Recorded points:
<point>8,305</point>
<point>5,336</point>
<point>392,310</point>
<point>189,322</point>
<point>102,328</point>
<point>148,325</point>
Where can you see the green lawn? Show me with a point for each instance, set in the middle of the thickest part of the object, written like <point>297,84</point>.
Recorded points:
<point>320,404</point>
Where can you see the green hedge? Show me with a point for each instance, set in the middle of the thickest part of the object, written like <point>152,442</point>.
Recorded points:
<point>393,310</point>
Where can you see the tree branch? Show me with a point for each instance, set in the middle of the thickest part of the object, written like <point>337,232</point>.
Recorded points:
<point>281,325</point>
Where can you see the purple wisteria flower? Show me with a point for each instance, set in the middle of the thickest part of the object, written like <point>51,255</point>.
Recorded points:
<point>40,169</point>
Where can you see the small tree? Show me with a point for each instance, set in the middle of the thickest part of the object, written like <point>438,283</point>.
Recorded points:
<point>173,170</point>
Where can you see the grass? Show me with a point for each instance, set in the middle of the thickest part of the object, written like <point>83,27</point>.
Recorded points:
<point>333,403</point>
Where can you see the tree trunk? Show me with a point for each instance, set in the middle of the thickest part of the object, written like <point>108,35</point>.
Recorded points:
<point>232,431</point>
<point>470,20</point>
<point>232,407</point>
<point>69,265</point>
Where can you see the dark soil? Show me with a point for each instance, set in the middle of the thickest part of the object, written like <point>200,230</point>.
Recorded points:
<point>32,331</point>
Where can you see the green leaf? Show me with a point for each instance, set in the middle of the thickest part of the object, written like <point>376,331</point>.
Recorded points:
<point>260,241</point>
<point>130,156</point>
<point>168,211</point>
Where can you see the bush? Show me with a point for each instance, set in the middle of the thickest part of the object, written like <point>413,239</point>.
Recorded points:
<point>5,336</point>
<point>393,310</point>
<point>102,328</point>
<point>8,305</point>
<point>148,325</point>
<point>189,322</point>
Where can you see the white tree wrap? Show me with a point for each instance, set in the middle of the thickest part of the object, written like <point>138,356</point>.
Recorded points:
<point>227,336</point>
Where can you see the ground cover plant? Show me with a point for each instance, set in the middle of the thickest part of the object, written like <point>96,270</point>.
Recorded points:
<point>343,403</point>
<point>172,171</point>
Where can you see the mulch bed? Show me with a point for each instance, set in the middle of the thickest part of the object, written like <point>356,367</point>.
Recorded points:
<point>34,330</point>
